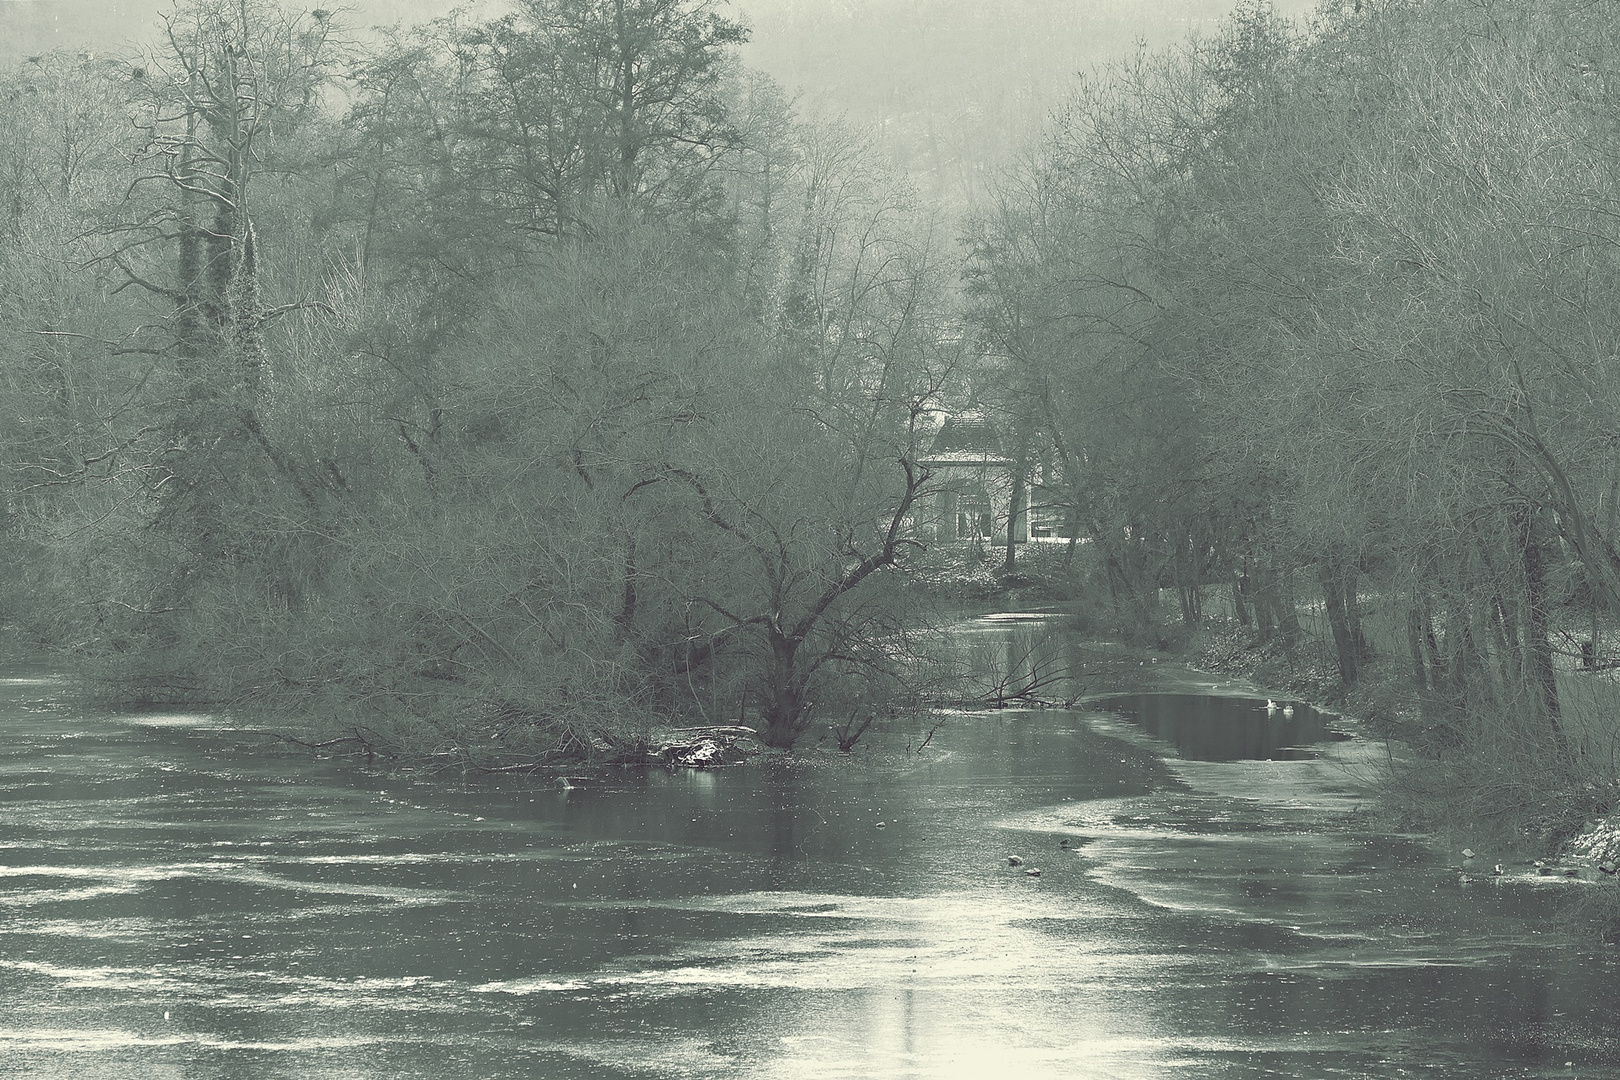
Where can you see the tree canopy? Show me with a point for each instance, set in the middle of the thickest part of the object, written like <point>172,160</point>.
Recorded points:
<point>516,381</point>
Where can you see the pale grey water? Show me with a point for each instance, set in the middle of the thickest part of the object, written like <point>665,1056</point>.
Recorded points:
<point>178,901</point>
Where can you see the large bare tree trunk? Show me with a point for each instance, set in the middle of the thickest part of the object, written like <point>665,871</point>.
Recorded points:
<point>1542,674</point>
<point>1339,594</point>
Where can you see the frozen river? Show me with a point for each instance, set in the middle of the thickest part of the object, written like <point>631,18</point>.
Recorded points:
<point>177,900</point>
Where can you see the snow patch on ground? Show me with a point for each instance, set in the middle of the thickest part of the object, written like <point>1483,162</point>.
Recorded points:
<point>1599,842</point>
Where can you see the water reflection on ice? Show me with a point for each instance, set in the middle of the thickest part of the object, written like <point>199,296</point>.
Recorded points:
<point>966,941</point>
<point>177,907</point>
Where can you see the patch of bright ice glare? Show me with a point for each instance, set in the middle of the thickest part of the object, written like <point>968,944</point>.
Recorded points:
<point>523,987</point>
<point>128,879</point>
<point>104,1040</point>
<point>978,940</point>
<point>95,978</point>
<point>201,721</point>
<point>79,929</point>
<point>231,987</point>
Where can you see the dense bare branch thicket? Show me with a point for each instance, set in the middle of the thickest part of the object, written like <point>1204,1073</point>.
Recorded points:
<point>1332,308</point>
<point>504,389</point>
<point>511,383</point>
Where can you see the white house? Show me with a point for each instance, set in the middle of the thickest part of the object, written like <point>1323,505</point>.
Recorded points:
<point>972,483</point>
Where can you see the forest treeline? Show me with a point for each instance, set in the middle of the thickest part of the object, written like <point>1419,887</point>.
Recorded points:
<point>1328,312</point>
<point>505,385</point>
<point>503,388</point>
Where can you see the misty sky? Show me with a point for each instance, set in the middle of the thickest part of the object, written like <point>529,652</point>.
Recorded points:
<point>801,38</point>
<point>949,87</point>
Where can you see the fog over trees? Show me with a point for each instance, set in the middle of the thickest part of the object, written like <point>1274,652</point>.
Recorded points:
<point>949,88</point>
<point>510,382</point>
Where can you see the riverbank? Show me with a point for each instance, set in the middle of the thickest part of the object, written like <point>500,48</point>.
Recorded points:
<point>1502,814</point>
<point>1475,782</point>
<point>1494,805</point>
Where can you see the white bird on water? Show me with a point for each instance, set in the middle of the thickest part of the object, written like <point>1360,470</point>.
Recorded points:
<point>1271,706</point>
<point>1288,712</point>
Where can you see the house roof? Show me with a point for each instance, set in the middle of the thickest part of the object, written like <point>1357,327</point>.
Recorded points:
<point>966,438</point>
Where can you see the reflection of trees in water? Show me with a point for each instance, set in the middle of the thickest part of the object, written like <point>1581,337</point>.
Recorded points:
<point>1213,727</point>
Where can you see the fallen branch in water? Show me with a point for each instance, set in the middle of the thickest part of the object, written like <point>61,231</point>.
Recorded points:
<point>738,730</point>
<point>527,766</point>
<point>850,731</point>
<point>937,725</point>
<point>992,700</point>
<point>367,746</point>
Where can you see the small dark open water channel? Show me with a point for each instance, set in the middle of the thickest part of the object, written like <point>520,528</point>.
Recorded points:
<point>176,902</point>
